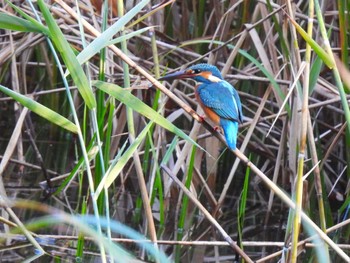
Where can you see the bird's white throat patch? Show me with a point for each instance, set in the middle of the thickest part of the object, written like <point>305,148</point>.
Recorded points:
<point>212,78</point>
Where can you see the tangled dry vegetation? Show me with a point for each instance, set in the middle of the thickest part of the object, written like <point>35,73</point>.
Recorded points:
<point>130,163</point>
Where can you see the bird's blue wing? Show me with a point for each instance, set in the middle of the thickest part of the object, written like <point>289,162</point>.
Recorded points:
<point>239,104</point>
<point>222,98</point>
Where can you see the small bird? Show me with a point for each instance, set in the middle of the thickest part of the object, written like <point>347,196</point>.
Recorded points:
<point>218,98</point>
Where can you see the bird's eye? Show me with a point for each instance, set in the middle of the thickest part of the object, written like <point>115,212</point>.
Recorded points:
<point>196,71</point>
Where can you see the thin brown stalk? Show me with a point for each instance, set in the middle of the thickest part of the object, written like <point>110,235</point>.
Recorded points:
<point>207,214</point>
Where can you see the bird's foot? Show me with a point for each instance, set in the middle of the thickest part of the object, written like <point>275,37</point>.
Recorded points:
<point>201,118</point>
<point>217,128</point>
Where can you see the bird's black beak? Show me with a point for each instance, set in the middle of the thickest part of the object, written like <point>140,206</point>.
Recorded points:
<point>176,75</point>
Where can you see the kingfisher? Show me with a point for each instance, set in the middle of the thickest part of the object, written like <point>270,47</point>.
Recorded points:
<point>218,98</point>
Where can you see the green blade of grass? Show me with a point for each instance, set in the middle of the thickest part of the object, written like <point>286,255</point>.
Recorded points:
<point>91,50</point>
<point>92,153</point>
<point>315,47</point>
<point>81,236</point>
<point>19,24</point>
<point>151,12</point>
<point>68,57</point>
<point>127,36</point>
<point>43,29</point>
<point>184,212</point>
<point>102,41</point>
<point>136,104</point>
<point>41,110</point>
<point>114,172</point>
<point>243,206</point>
<point>315,73</point>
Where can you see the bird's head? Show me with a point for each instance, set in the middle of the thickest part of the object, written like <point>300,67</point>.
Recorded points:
<point>203,73</point>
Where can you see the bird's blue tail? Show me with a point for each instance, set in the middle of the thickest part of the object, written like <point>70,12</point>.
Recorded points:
<point>230,130</point>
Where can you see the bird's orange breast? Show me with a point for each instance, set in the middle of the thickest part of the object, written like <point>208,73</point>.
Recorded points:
<point>208,111</point>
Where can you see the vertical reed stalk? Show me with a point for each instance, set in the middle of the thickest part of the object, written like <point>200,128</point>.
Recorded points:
<point>303,139</point>
<point>131,130</point>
